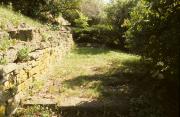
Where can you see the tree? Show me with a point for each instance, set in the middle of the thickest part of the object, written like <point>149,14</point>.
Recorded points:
<point>82,21</point>
<point>93,9</point>
<point>41,9</point>
<point>153,32</point>
<point>117,12</point>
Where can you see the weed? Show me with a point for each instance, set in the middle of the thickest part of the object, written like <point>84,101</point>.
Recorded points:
<point>3,61</point>
<point>54,27</point>
<point>35,111</point>
<point>5,44</point>
<point>23,54</point>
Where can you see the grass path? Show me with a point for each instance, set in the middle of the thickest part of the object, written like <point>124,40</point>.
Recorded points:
<point>88,76</point>
<point>87,73</point>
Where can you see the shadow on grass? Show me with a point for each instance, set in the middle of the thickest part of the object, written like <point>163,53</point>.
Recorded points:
<point>128,91</point>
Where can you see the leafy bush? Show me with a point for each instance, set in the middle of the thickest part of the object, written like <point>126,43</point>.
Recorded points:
<point>117,12</point>
<point>71,15</point>
<point>23,54</point>
<point>82,21</point>
<point>153,31</point>
<point>101,34</point>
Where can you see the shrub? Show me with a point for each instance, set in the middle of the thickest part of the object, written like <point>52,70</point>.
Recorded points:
<point>3,61</point>
<point>153,31</point>
<point>100,34</point>
<point>82,21</point>
<point>5,43</point>
<point>23,54</point>
<point>117,12</point>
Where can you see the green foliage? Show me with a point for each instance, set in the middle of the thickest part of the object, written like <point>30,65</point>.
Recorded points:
<point>5,44</point>
<point>34,111</point>
<point>45,10</point>
<point>3,61</point>
<point>117,12</point>
<point>82,21</point>
<point>71,15</point>
<point>153,31</point>
<point>23,54</point>
<point>9,18</point>
<point>143,107</point>
<point>101,34</point>
<point>94,9</point>
<point>45,37</point>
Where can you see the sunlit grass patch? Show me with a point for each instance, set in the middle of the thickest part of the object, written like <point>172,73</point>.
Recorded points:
<point>35,111</point>
<point>86,70</point>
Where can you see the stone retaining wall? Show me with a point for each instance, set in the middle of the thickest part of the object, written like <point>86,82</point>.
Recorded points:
<point>16,78</point>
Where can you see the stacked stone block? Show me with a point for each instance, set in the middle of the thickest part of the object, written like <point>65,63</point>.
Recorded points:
<point>16,79</point>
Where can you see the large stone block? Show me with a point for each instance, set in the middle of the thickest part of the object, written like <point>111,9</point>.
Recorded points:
<point>43,55</point>
<point>11,55</point>
<point>9,68</point>
<point>6,70</point>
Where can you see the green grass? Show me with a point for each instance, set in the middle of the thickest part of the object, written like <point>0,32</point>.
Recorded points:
<point>86,71</point>
<point>12,18</point>
<point>95,76</point>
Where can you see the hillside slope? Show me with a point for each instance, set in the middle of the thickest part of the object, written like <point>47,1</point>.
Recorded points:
<point>10,19</point>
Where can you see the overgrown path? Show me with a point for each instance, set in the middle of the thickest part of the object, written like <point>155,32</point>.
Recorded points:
<point>91,78</point>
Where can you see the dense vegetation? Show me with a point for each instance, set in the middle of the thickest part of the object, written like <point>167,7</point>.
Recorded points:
<point>149,28</point>
<point>153,32</point>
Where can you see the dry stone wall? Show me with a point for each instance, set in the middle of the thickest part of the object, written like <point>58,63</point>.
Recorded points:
<point>16,78</point>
